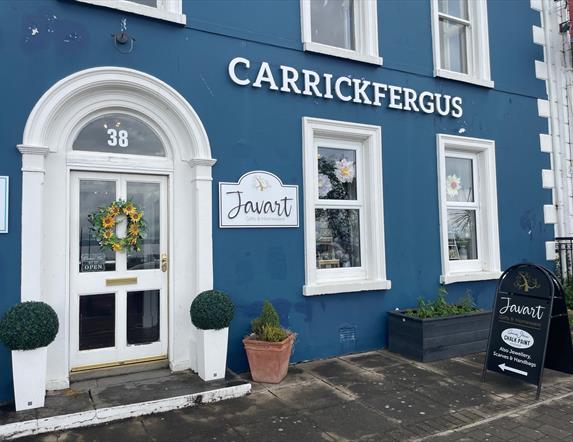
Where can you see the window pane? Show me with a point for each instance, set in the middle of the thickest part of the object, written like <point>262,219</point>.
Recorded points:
<point>93,195</point>
<point>146,197</point>
<point>145,2</point>
<point>332,22</point>
<point>459,179</point>
<point>453,46</point>
<point>142,317</point>
<point>97,321</point>
<point>337,174</point>
<point>117,133</point>
<point>337,238</point>
<point>456,8</point>
<point>462,237</point>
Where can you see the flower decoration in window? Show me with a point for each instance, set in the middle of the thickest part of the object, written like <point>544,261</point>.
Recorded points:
<point>105,220</point>
<point>345,171</point>
<point>453,185</point>
<point>324,185</point>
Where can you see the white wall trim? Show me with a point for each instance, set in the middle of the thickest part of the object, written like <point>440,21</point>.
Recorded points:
<point>547,179</point>
<point>372,274</point>
<point>47,162</point>
<point>545,143</point>
<point>110,414</point>
<point>169,10</point>
<point>549,214</point>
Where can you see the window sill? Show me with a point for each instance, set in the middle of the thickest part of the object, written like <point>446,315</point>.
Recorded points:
<point>348,286</point>
<point>136,8</point>
<point>342,53</point>
<point>451,278</point>
<point>443,73</point>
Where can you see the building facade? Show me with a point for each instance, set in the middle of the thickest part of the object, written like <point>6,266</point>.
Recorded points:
<point>339,158</point>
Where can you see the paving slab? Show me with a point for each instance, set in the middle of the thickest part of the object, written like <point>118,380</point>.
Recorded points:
<point>188,426</point>
<point>310,396</point>
<point>288,428</point>
<point>373,360</point>
<point>352,421</point>
<point>247,409</point>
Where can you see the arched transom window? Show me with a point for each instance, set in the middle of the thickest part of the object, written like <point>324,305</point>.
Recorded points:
<point>120,134</point>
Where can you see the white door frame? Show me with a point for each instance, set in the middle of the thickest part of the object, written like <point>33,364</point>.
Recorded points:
<point>47,160</point>
<point>93,283</point>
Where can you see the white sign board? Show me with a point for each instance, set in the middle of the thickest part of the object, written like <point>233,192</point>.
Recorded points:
<point>3,204</point>
<point>259,199</point>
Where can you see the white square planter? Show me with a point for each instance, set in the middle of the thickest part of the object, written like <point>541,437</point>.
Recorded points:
<point>29,372</point>
<point>212,353</point>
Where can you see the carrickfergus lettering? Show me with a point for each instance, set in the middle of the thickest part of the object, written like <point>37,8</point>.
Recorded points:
<point>307,82</point>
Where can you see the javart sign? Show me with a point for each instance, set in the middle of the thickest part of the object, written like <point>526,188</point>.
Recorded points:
<point>259,199</point>
<point>529,303</point>
<point>344,88</point>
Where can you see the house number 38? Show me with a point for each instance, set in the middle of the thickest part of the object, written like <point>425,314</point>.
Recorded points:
<point>117,138</point>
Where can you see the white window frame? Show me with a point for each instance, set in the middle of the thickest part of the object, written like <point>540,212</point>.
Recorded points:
<point>169,10</point>
<point>482,152</point>
<point>365,33</point>
<point>477,45</point>
<point>367,141</point>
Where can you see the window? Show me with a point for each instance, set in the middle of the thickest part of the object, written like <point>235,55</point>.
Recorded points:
<point>170,10</point>
<point>344,223</point>
<point>119,134</point>
<point>343,28</point>
<point>468,209</point>
<point>460,37</point>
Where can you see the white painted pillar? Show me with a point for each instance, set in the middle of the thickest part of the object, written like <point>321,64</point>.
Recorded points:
<point>201,194</point>
<point>33,170</point>
<point>203,233</point>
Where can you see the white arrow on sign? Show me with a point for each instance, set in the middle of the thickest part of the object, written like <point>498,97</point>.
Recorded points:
<point>515,370</point>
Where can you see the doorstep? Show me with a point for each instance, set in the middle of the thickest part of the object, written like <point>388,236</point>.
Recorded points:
<point>105,399</point>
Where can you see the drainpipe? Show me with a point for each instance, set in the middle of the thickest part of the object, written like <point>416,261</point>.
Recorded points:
<point>554,86</point>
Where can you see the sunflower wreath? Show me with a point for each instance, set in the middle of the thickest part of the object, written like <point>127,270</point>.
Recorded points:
<point>104,220</point>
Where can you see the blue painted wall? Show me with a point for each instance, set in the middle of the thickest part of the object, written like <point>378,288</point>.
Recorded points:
<point>261,129</point>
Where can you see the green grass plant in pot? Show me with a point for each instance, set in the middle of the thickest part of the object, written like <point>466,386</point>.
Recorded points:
<point>27,329</point>
<point>268,347</point>
<point>212,312</point>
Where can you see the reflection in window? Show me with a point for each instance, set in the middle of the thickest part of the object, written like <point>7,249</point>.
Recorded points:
<point>332,23</point>
<point>143,317</point>
<point>453,46</point>
<point>462,207</point>
<point>146,196</point>
<point>152,3</point>
<point>97,321</point>
<point>337,238</point>
<point>93,195</point>
<point>462,235</point>
<point>120,134</point>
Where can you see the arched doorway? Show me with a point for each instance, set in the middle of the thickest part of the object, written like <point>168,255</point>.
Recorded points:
<point>66,143</point>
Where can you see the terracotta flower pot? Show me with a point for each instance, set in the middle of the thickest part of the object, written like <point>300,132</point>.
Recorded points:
<point>268,360</point>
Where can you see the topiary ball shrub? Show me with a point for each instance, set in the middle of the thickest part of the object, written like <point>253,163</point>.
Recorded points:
<point>29,325</point>
<point>212,310</point>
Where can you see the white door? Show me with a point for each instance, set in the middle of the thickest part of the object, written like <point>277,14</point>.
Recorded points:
<point>118,304</point>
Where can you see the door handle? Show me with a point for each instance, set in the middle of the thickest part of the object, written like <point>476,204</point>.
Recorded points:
<point>164,262</point>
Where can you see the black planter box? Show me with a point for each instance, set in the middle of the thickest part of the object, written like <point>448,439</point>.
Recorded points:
<point>432,339</point>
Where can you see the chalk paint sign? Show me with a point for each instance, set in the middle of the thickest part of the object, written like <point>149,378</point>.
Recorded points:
<point>522,317</point>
